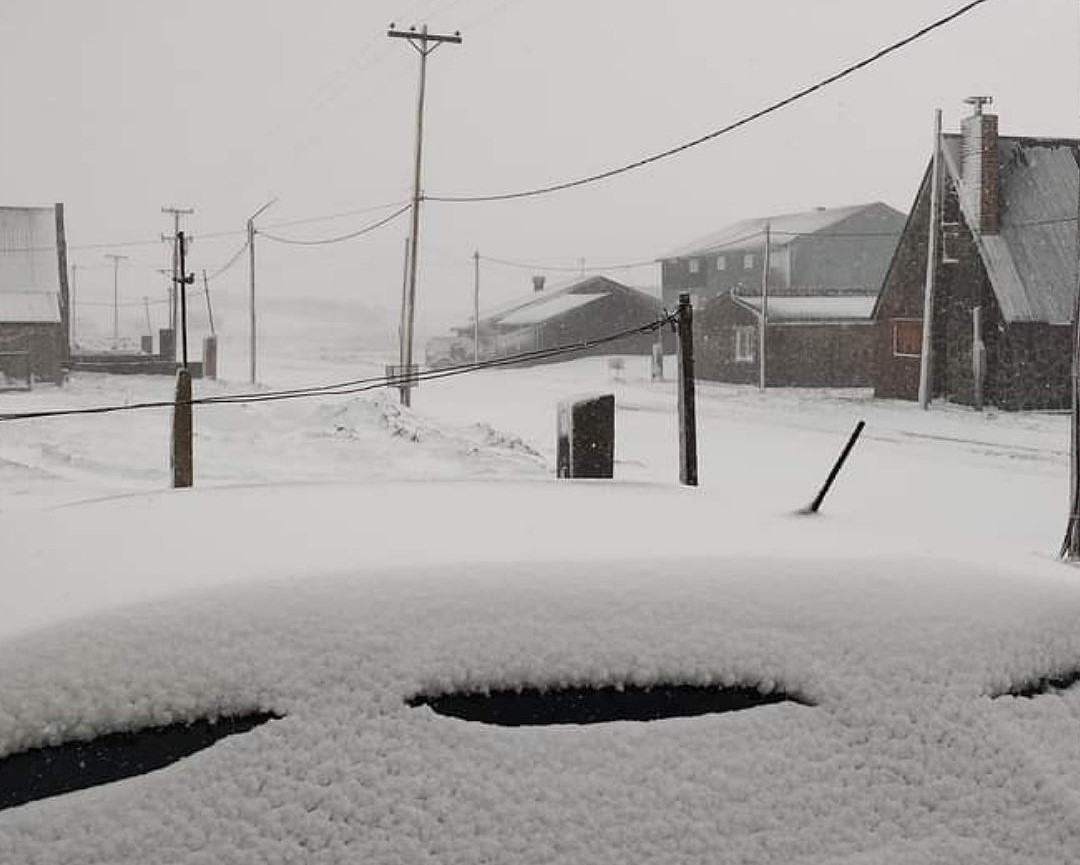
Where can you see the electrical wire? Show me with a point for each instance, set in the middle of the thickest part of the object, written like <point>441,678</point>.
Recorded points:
<point>717,133</point>
<point>328,240</point>
<point>235,258</point>
<point>357,212</point>
<point>358,385</point>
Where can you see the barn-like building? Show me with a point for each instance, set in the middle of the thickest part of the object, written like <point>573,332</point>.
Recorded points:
<point>34,304</point>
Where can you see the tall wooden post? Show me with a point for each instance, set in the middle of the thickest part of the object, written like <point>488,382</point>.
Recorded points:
<point>1070,547</point>
<point>925,360</point>
<point>763,321</point>
<point>181,459</point>
<point>688,469</point>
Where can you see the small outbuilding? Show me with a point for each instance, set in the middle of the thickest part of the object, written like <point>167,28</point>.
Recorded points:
<point>810,340</point>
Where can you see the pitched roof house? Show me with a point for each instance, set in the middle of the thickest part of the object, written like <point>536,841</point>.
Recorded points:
<point>815,252</point>
<point>1005,275</point>
<point>33,291</point>
<point>583,310</point>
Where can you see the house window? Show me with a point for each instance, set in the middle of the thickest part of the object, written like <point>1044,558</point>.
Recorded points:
<point>907,337</point>
<point>745,342</point>
<point>950,242</point>
<point>748,261</point>
<point>695,265</point>
<point>721,263</point>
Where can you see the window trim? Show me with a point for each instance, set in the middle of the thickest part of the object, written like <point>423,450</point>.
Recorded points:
<point>721,262</point>
<point>895,333</point>
<point>745,337</point>
<point>693,265</point>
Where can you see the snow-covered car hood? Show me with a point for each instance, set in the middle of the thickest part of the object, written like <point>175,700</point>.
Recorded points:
<point>901,742</point>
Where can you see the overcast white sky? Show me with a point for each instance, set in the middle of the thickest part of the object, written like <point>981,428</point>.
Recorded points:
<point>117,107</point>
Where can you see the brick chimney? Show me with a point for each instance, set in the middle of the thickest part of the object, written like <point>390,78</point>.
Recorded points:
<point>538,283</point>
<point>979,170</point>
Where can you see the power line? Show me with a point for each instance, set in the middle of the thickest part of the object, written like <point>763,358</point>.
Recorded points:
<point>232,261</point>
<point>357,385</point>
<point>327,240</point>
<point>331,216</point>
<point>731,127</point>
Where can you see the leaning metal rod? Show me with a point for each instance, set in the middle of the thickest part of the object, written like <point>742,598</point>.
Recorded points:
<point>812,508</point>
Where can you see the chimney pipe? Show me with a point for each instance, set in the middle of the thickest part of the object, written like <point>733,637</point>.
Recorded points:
<point>979,171</point>
<point>538,283</point>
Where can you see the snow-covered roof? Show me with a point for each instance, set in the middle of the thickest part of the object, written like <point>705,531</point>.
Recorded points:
<point>26,307</point>
<point>817,308</point>
<point>547,308</point>
<point>323,604</point>
<point>748,234</point>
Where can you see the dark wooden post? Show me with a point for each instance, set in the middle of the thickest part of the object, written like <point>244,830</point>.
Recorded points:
<point>684,324</point>
<point>182,456</point>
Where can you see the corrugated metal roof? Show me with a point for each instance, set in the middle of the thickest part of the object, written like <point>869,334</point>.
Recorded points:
<point>748,234</point>
<point>28,258</point>
<point>1031,264</point>
<point>818,308</point>
<point>29,307</point>
<point>548,308</point>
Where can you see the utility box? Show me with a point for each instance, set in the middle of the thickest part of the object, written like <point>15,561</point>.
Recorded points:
<point>209,354</point>
<point>167,343</point>
<point>586,437</point>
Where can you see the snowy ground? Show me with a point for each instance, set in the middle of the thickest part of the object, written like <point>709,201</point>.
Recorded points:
<point>951,473</point>
<point>315,573</point>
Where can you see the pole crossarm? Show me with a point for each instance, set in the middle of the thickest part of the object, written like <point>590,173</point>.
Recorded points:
<point>423,41</point>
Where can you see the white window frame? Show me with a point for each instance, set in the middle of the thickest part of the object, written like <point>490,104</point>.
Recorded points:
<point>721,263</point>
<point>748,261</point>
<point>694,265</point>
<point>895,342</point>
<point>745,343</point>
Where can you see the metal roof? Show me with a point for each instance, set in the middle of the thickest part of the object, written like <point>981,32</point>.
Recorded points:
<point>28,260</point>
<point>748,234</point>
<point>548,308</point>
<point>29,307</point>
<point>816,308</point>
<point>1031,263</point>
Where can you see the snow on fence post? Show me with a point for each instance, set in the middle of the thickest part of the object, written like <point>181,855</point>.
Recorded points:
<point>181,458</point>
<point>684,327</point>
<point>586,438</point>
<point>656,368</point>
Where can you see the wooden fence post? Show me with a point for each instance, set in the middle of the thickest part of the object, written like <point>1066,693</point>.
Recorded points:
<point>688,469</point>
<point>182,455</point>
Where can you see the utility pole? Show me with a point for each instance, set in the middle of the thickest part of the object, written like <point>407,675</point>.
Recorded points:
<point>116,259</point>
<point>425,43</point>
<point>764,321</point>
<point>176,213</point>
<point>182,282</point>
<point>684,328</point>
<point>925,360</point>
<point>71,304</point>
<point>209,308</point>
<point>251,274</point>
<point>476,307</point>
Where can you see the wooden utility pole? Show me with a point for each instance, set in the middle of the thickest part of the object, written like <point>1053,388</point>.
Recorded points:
<point>116,259</point>
<point>209,308</point>
<point>926,358</point>
<point>1070,547</point>
<point>764,320</point>
<point>684,325</point>
<point>182,282</point>
<point>72,310</point>
<point>251,276</point>
<point>176,213</point>
<point>425,43</point>
<point>476,307</point>
<point>181,454</point>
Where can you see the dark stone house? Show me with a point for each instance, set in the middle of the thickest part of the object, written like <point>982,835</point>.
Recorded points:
<point>1005,275</point>
<point>810,340</point>
<point>33,292</point>
<point>585,310</point>
<point>816,252</point>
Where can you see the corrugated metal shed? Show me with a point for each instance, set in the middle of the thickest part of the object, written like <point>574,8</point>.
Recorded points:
<point>815,309</point>
<point>547,308</point>
<point>1032,263</point>
<point>29,307</point>
<point>748,234</point>
<point>28,256</point>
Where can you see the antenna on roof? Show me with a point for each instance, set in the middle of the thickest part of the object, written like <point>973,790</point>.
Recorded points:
<point>977,103</point>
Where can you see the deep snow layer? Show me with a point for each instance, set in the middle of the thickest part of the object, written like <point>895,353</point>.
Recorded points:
<point>905,758</point>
